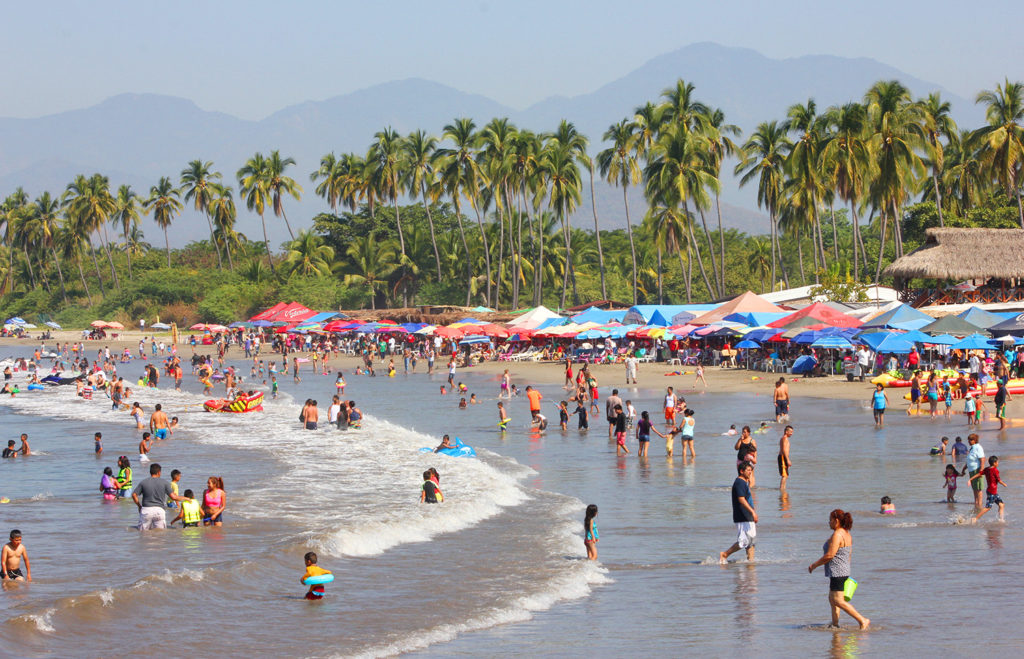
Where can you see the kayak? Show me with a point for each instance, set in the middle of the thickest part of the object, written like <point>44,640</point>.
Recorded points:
<point>239,405</point>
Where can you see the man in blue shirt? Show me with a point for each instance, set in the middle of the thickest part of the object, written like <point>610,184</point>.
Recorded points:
<point>743,514</point>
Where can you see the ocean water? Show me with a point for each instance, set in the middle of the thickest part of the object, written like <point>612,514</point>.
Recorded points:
<point>497,569</point>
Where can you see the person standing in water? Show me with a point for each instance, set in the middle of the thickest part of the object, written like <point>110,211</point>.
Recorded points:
<point>836,557</point>
<point>743,514</point>
<point>781,398</point>
<point>590,536</point>
<point>784,462</point>
<point>879,401</point>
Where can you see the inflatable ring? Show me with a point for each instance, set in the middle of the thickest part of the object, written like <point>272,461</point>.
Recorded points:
<point>318,580</point>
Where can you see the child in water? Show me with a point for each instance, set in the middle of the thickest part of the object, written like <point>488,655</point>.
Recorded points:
<point>443,390</point>
<point>473,400</point>
<point>941,449</point>
<point>190,513</point>
<point>313,570</point>
<point>430,491</point>
<point>462,403</point>
<point>563,415</point>
<point>590,536</point>
<point>949,482</point>
<point>502,417</point>
<point>888,507</point>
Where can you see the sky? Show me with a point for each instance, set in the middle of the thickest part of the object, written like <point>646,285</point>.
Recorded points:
<point>251,58</point>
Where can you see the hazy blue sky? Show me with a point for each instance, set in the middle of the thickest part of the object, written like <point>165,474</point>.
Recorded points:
<point>254,57</point>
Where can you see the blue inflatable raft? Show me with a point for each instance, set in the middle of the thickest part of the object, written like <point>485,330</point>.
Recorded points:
<point>460,450</point>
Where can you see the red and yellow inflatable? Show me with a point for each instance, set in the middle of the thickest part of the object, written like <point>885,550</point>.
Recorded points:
<point>239,405</point>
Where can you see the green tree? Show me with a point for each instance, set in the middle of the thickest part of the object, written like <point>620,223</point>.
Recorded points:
<point>253,180</point>
<point>1001,143</point>
<point>307,255</point>
<point>371,262</point>
<point>164,203</point>
<point>126,216</point>
<point>419,157</point>
<point>938,124</point>
<point>618,165</point>
<point>278,185</point>
<point>195,182</point>
<point>764,159</point>
<point>224,213</point>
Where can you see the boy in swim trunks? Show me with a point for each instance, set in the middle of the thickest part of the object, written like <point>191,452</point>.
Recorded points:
<point>670,407</point>
<point>783,459</point>
<point>313,570</point>
<point>10,560</point>
<point>991,474</point>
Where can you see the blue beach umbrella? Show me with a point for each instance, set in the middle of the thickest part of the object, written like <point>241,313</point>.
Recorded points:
<point>944,340</point>
<point>886,342</point>
<point>974,342</point>
<point>746,343</point>
<point>832,342</point>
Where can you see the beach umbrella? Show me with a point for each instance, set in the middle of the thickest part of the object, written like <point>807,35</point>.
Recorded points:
<point>98,324</point>
<point>428,329</point>
<point>259,323</point>
<point>593,334</point>
<point>14,320</point>
<point>52,324</point>
<point>973,342</point>
<point>115,325</point>
<point>28,326</point>
<point>164,326</point>
<point>834,341</point>
<point>944,340</point>
<point>493,329</point>
<point>201,327</point>
<point>952,325</point>
<point>449,332</point>
<point>367,328</point>
<point>747,343</point>
<point>761,334</point>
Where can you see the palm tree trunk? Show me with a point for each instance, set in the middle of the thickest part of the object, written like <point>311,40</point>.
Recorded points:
<point>216,246</point>
<point>711,252</point>
<point>771,221</point>
<point>81,274</point>
<point>688,275</point>
<point>938,196</point>
<point>819,263</point>
<point>682,271</point>
<point>31,271</point>
<point>800,253</point>
<point>42,274</point>
<point>632,245</point>
<point>661,293</point>
<point>696,249</point>
<point>96,264</point>
<point>501,248</point>
<point>881,248</point>
<point>821,235</point>
<point>1020,210</point>
<point>433,237</point>
<point>487,249</point>
<point>60,274</point>
<point>128,250</point>
<point>721,245</point>
<point>227,248</point>
<point>856,239</point>
<point>835,231</point>
<point>782,263</point>
<point>897,234</point>
<point>568,260</point>
<point>465,246</point>
<point>401,246</point>
<point>167,243</point>
<point>110,258</point>
<point>266,243</point>
<point>287,224</point>
<point>597,234</point>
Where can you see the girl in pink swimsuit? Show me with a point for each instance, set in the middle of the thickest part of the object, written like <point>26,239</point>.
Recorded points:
<point>214,501</point>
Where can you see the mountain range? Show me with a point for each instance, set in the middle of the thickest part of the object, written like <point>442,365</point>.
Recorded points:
<point>136,138</point>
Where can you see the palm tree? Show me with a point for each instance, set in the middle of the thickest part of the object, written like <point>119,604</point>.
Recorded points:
<point>618,165</point>
<point>937,124</point>
<point>495,159</point>
<point>806,177</point>
<point>682,110</point>
<point>721,144</point>
<point>278,185</point>
<point>559,167</point>
<point>759,263</point>
<point>764,158</point>
<point>47,212</point>
<point>195,182</point>
<point>668,227</point>
<point>1001,143</point>
<point>459,174</point>
<point>91,205</point>
<point>895,128</point>
<point>525,149</point>
<point>223,213</point>
<point>329,187</point>
<point>307,255</point>
<point>964,181</point>
<point>576,145</point>
<point>252,184</point>
<point>71,243</point>
<point>845,157</point>
<point>419,151</point>
<point>679,171</point>
<point>386,157</point>
<point>371,262</point>
<point>164,203</point>
<point>125,216</point>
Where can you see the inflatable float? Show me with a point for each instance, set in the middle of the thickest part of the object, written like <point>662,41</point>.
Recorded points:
<point>896,379</point>
<point>318,580</point>
<point>239,405</point>
<point>1015,387</point>
<point>459,451</point>
<point>35,387</point>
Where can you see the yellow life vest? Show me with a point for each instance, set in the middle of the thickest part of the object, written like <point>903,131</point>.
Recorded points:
<point>190,511</point>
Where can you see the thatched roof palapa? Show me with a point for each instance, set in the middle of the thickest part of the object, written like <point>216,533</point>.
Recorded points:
<point>964,254</point>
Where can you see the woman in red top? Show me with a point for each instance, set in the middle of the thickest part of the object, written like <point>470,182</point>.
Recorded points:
<point>568,373</point>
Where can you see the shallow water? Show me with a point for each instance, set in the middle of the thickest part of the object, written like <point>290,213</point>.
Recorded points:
<point>497,569</point>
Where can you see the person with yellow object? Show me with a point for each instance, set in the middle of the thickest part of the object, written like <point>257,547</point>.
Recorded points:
<point>190,512</point>
<point>316,591</point>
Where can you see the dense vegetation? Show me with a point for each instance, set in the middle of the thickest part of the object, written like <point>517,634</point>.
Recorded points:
<point>846,190</point>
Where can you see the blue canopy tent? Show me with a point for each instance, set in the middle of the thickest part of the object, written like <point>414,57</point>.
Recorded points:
<point>755,318</point>
<point>412,327</point>
<point>325,316</point>
<point>551,322</point>
<point>832,342</point>
<point>902,317</point>
<point>944,340</point>
<point>367,328</point>
<point>1014,325</point>
<point>883,342</point>
<point>658,320</point>
<point>974,342</point>
<point>599,316</point>
<point>641,314</point>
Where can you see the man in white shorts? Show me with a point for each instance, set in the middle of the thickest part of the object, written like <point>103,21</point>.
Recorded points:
<point>743,514</point>
<point>155,491</point>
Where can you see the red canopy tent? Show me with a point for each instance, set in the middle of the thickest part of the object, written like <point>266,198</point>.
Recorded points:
<point>819,312</point>
<point>266,315</point>
<point>292,313</point>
